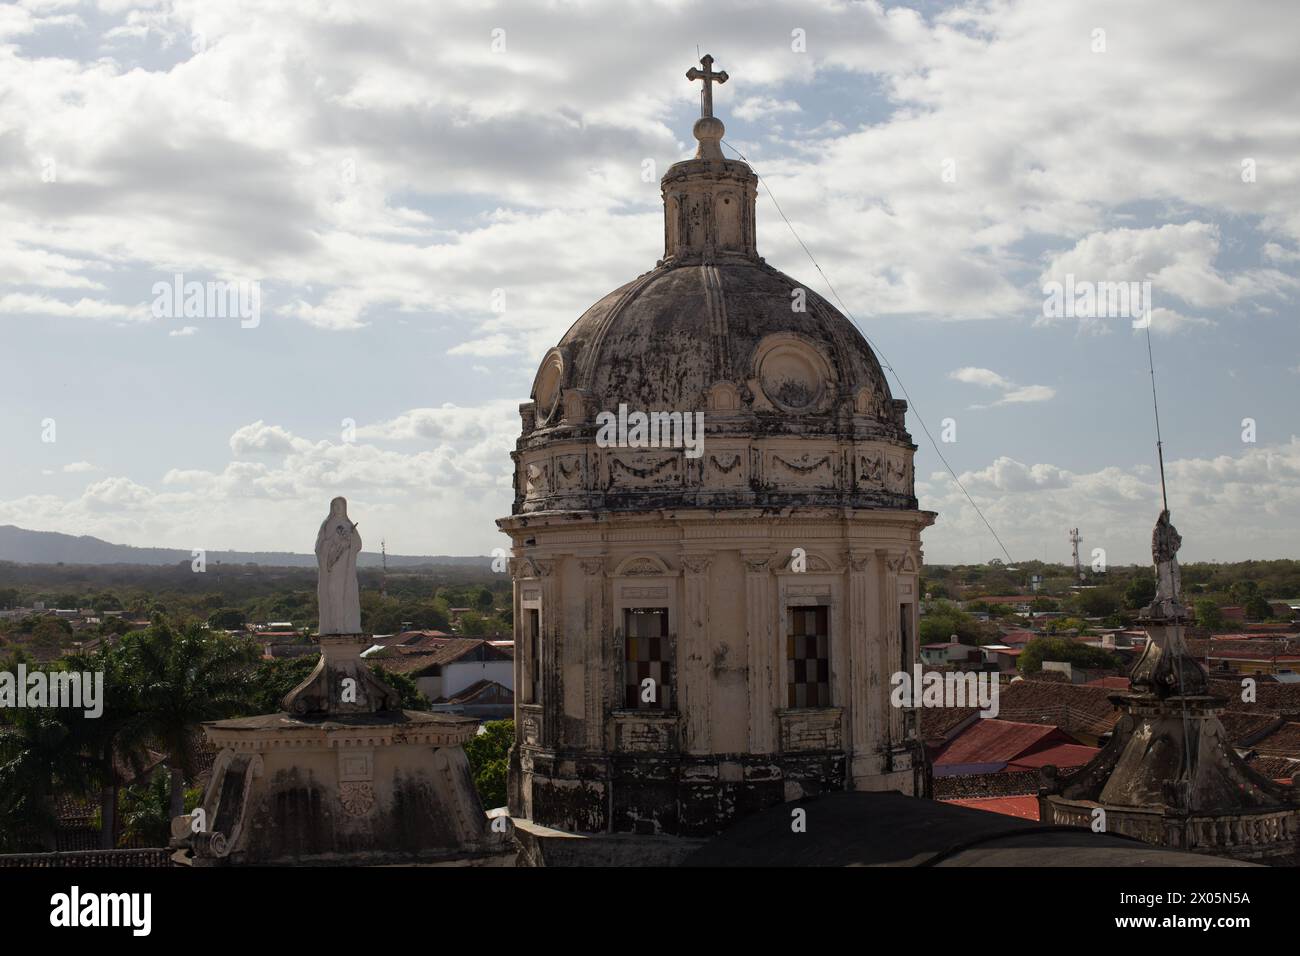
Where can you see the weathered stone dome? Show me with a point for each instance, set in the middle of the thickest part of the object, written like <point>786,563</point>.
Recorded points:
<point>796,409</point>
<point>666,339</point>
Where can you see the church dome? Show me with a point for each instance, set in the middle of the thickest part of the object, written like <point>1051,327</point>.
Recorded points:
<point>669,338</point>
<point>792,401</point>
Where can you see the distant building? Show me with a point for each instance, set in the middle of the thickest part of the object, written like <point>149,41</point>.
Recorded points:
<point>948,652</point>
<point>1001,657</point>
<point>442,671</point>
<point>483,698</point>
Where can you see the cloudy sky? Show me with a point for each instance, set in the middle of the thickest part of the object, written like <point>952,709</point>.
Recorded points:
<point>429,194</point>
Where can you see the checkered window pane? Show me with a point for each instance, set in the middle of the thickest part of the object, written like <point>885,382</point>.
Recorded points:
<point>808,657</point>
<point>647,653</point>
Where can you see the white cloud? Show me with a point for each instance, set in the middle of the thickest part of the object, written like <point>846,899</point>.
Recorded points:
<point>260,438</point>
<point>371,163</point>
<point>753,108</point>
<point>116,494</point>
<point>1012,394</point>
<point>1031,506</point>
<point>355,91</point>
<point>1027,393</point>
<point>17,303</point>
<point>1177,260</point>
<point>442,497</point>
<point>979,376</point>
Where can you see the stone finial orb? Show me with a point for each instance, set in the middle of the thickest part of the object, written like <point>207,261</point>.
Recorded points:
<point>709,131</point>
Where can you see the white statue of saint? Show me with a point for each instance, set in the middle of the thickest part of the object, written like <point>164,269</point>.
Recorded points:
<point>337,547</point>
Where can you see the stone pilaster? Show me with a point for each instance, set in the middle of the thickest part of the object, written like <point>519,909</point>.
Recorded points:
<point>595,647</point>
<point>552,653</point>
<point>857,727</point>
<point>521,638</point>
<point>693,647</point>
<point>762,648</point>
<point>890,565</point>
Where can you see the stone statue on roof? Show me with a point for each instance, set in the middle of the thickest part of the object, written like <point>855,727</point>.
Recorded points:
<point>337,546</point>
<point>1165,542</point>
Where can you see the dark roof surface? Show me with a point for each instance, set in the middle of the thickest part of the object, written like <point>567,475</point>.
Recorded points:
<point>889,829</point>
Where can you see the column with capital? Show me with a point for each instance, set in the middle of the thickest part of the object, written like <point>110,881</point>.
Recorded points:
<point>857,730</point>
<point>694,653</point>
<point>761,642</point>
<point>521,638</point>
<point>890,564</point>
<point>552,657</point>
<point>595,630</point>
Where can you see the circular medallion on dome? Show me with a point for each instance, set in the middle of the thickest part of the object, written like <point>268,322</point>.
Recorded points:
<point>546,387</point>
<point>792,374</point>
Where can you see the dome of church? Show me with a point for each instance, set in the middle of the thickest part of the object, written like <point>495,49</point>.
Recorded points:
<point>714,335</point>
<point>715,544</point>
<point>665,340</point>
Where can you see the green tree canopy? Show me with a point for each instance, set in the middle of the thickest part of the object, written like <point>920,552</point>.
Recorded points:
<point>186,677</point>
<point>1257,608</point>
<point>1095,602</point>
<point>944,619</point>
<point>1063,649</point>
<point>227,619</point>
<point>1140,592</point>
<point>488,755</point>
<point>409,693</point>
<point>1208,614</point>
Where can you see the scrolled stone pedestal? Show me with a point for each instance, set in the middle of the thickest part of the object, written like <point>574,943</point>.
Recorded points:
<point>341,777</point>
<point>341,683</point>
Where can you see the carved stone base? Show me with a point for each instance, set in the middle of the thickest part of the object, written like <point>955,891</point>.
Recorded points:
<point>341,683</point>
<point>353,789</point>
<point>1170,776</point>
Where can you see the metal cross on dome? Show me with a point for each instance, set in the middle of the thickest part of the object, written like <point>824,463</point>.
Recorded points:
<point>709,78</point>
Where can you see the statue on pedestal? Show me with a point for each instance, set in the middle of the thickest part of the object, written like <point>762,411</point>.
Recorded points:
<point>1165,542</point>
<point>341,682</point>
<point>1166,667</point>
<point>337,547</point>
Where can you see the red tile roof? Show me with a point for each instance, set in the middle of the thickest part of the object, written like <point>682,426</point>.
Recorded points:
<point>1109,683</point>
<point>1244,728</point>
<point>1059,755</point>
<point>1281,769</point>
<point>994,741</point>
<point>1024,807</point>
<point>940,722</point>
<point>481,691</point>
<point>1270,697</point>
<point>1283,742</point>
<point>1249,654</point>
<point>1018,637</point>
<point>1076,708</point>
<point>413,660</point>
<point>414,639</point>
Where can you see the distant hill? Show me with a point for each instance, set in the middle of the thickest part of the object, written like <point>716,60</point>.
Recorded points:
<point>49,547</point>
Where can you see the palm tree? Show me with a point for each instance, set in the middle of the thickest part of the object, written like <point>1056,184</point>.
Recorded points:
<point>146,816</point>
<point>38,757</point>
<point>181,679</point>
<point>114,741</point>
